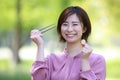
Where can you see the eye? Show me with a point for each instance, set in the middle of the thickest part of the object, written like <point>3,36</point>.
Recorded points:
<point>75,24</point>
<point>65,24</point>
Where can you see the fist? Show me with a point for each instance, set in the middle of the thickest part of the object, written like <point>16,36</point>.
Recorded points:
<point>86,51</point>
<point>36,36</point>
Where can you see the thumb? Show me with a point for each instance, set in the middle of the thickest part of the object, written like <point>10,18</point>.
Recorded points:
<point>83,42</point>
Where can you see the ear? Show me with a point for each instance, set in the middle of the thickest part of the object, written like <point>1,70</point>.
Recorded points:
<point>84,29</point>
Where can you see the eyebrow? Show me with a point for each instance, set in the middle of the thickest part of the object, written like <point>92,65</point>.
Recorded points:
<point>72,22</point>
<point>75,22</point>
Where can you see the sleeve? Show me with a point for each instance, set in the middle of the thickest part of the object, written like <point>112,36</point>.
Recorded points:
<point>97,71</point>
<point>40,70</point>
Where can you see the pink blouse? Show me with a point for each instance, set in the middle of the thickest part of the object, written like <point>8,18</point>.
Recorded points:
<point>65,67</point>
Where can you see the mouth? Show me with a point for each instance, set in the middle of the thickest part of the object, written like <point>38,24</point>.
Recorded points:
<point>71,35</point>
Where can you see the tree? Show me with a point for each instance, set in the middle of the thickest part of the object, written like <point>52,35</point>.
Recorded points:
<point>25,14</point>
<point>16,40</point>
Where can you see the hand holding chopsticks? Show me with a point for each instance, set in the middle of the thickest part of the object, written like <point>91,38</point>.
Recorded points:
<point>37,34</point>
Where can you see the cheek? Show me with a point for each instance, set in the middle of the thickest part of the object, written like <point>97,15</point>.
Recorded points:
<point>63,29</point>
<point>80,31</point>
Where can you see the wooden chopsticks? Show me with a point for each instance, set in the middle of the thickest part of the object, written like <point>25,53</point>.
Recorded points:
<point>47,28</point>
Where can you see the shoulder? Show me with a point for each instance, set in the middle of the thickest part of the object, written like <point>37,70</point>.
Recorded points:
<point>55,56</point>
<point>94,57</point>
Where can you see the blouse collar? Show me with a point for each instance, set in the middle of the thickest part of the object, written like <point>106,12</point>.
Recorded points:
<point>67,54</point>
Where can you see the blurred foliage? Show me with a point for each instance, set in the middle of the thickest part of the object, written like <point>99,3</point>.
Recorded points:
<point>113,68</point>
<point>114,19</point>
<point>104,17</point>
<point>34,14</point>
<point>11,72</point>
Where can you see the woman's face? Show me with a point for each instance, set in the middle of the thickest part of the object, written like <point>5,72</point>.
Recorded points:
<point>72,29</point>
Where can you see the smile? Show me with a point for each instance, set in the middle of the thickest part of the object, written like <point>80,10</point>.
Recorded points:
<point>70,35</point>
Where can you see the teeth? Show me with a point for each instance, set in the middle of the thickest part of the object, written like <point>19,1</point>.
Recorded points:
<point>70,34</point>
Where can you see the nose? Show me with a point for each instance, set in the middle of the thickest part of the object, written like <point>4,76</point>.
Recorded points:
<point>70,28</point>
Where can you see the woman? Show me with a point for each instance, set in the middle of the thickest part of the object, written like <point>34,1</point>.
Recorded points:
<point>77,61</point>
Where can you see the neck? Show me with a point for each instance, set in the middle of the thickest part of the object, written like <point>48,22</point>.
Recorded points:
<point>74,48</point>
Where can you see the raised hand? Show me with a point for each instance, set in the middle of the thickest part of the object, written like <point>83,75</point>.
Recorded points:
<point>87,50</point>
<point>37,37</point>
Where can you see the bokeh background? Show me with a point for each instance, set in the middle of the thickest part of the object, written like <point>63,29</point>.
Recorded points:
<point>19,17</point>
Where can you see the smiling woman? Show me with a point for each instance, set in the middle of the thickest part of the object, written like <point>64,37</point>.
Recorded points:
<point>77,61</point>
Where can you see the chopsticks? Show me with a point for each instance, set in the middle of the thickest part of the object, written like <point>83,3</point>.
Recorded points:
<point>47,28</point>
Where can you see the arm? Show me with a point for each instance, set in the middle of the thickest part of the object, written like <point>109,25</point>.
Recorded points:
<point>39,70</point>
<point>86,51</point>
<point>86,73</point>
<point>92,72</point>
<point>40,53</point>
<point>97,70</point>
<point>36,36</point>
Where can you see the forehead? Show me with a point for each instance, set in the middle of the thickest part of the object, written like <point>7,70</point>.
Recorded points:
<point>73,18</point>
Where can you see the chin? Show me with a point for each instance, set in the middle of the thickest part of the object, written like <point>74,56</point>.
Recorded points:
<point>71,41</point>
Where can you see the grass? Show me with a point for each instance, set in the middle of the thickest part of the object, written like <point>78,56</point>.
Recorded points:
<point>21,71</point>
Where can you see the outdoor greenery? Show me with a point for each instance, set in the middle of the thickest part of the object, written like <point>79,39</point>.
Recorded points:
<point>19,17</point>
<point>113,68</point>
<point>19,72</point>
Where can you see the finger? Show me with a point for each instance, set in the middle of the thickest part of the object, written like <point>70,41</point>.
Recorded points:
<point>40,34</point>
<point>83,42</point>
<point>33,37</point>
<point>36,33</point>
<point>32,32</point>
<point>84,50</point>
<point>86,46</point>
